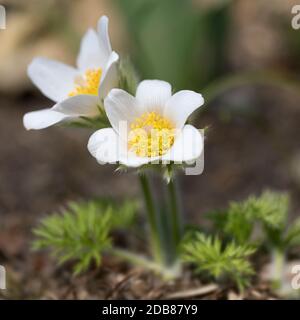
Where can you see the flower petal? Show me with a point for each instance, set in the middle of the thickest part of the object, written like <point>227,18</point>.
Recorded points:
<point>180,106</point>
<point>188,146</point>
<point>133,161</point>
<point>153,94</point>
<point>53,78</point>
<point>107,147</point>
<point>41,119</point>
<point>109,79</point>
<point>91,55</point>
<point>81,105</point>
<point>104,146</point>
<point>104,40</point>
<point>120,106</point>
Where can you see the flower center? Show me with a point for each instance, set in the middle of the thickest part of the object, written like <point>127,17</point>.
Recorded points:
<point>88,83</point>
<point>151,135</point>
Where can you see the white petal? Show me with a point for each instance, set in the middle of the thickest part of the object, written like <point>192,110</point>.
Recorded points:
<point>188,146</point>
<point>104,40</point>
<point>91,56</point>
<point>180,106</point>
<point>121,107</point>
<point>54,79</point>
<point>134,161</point>
<point>109,79</point>
<point>104,146</point>
<point>81,105</point>
<point>107,147</point>
<point>41,119</point>
<point>153,94</point>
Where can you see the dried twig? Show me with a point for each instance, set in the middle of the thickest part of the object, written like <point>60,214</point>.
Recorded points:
<point>190,293</point>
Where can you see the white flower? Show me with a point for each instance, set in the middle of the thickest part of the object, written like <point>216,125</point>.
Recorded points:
<point>149,127</point>
<point>76,91</point>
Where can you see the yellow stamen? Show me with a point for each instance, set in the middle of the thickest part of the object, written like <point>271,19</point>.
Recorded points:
<point>151,135</point>
<point>88,84</point>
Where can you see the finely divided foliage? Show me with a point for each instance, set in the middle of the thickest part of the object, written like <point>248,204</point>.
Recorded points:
<point>82,231</point>
<point>243,228</point>
<point>270,210</point>
<point>222,262</point>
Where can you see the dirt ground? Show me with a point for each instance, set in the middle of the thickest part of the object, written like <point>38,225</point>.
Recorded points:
<point>246,151</point>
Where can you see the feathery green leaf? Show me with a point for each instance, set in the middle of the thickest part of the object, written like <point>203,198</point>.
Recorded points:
<point>218,260</point>
<point>81,231</point>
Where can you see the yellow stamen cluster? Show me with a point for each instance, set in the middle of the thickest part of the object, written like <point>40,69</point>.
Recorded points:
<point>151,135</point>
<point>89,83</point>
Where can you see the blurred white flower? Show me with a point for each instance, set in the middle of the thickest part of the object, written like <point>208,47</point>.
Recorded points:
<point>76,91</point>
<point>149,127</point>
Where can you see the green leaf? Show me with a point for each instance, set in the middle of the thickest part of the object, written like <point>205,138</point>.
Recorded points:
<point>81,231</point>
<point>220,261</point>
<point>292,237</point>
<point>234,223</point>
<point>170,38</point>
<point>269,210</point>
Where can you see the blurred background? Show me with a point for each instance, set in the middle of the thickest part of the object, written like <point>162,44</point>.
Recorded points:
<point>243,55</point>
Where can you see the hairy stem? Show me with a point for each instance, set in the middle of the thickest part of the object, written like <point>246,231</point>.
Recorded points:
<point>278,260</point>
<point>152,219</point>
<point>176,225</point>
<point>139,260</point>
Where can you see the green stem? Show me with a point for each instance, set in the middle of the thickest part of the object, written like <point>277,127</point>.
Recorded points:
<point>153,221</point>
<point>176,225</point>
<point>233,81</point>
<point>139,260</point>
<point>278,260</point>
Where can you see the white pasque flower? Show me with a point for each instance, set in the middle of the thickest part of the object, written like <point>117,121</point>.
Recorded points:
<point>76,91</point>
<point>149,127</point>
